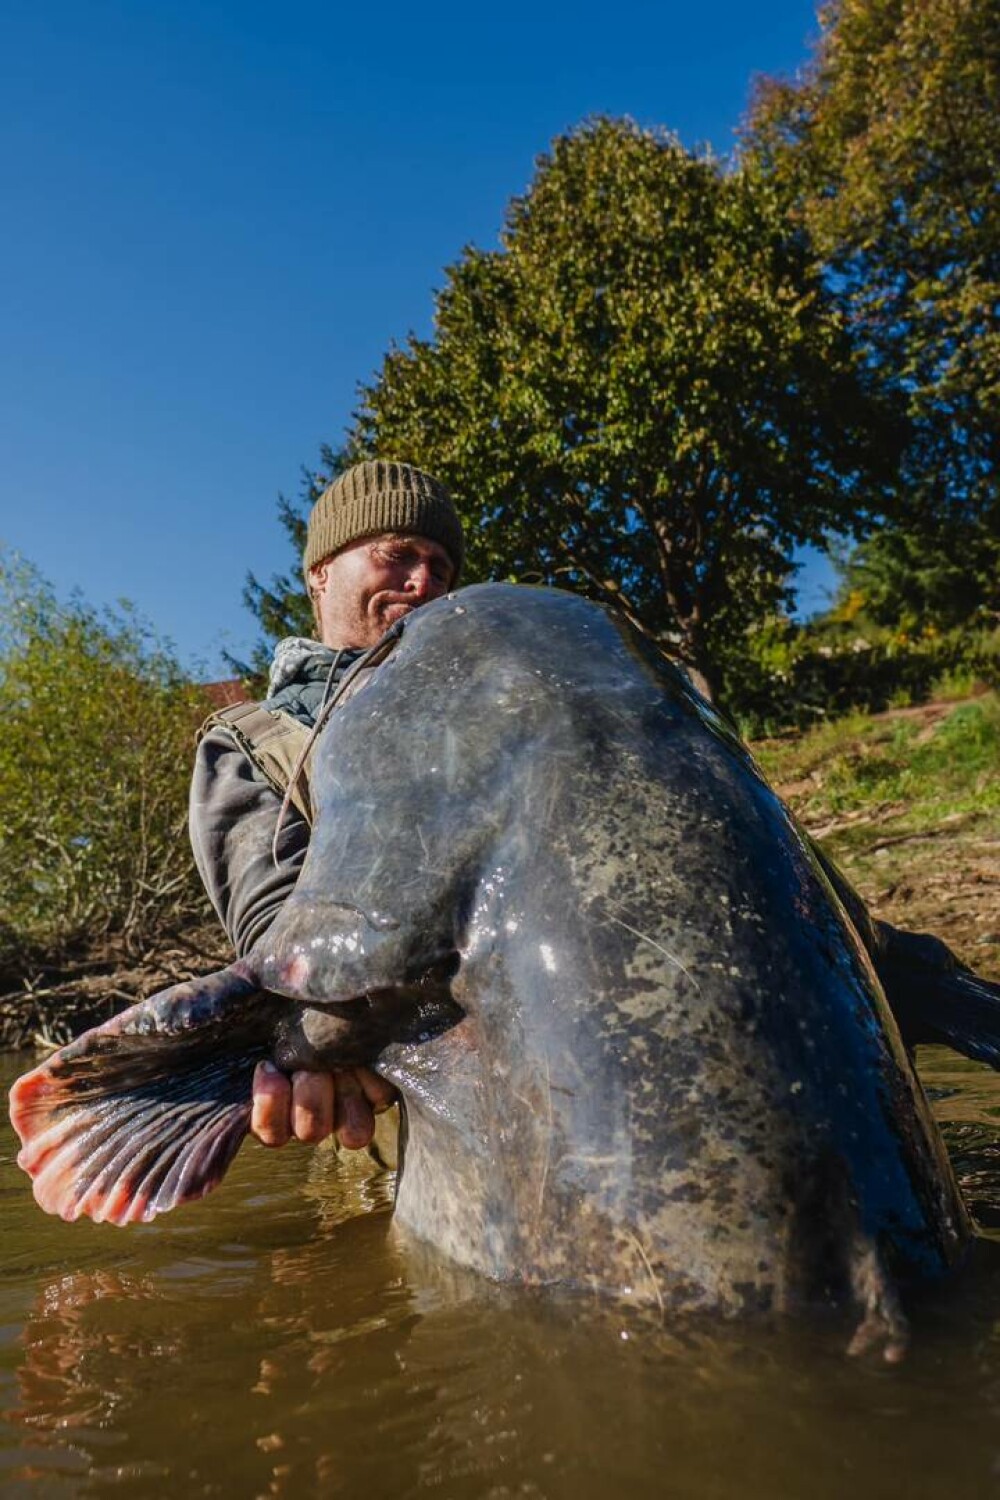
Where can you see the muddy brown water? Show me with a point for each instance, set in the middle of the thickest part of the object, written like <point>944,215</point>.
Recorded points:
<point>284,1339</point>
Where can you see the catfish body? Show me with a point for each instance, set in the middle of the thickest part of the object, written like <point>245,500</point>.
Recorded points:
<point>641,1046</point>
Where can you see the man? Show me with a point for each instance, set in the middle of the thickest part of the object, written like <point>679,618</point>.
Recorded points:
<point>383,539</point>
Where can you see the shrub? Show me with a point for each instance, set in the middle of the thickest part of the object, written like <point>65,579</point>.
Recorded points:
<point>97,727</point>
<point>793,676</point>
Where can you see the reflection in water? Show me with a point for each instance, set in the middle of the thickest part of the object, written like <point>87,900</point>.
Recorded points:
<point>283,1339</point>
<point>966,1097</point>
<point>56,1378</point>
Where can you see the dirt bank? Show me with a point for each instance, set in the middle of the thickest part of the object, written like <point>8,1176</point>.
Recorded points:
<point>921,842</point>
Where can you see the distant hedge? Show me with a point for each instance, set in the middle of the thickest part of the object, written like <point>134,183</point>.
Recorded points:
<point>96,741</point>
<point>794,677</point>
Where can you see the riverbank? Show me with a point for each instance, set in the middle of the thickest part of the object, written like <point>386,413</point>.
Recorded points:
<point>907,803</point>
<point>48,1004</point>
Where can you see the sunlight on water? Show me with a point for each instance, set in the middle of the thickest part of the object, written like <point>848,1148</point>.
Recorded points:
<point>282,1339</point>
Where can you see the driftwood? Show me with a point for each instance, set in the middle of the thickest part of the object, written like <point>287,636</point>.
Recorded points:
<point>52,1003</point>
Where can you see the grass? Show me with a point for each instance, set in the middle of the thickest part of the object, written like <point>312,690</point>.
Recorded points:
<point>927,765</point>
<point>908,804</point>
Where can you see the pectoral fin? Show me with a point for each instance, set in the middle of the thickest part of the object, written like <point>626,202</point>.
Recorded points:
<point>148,1110</point>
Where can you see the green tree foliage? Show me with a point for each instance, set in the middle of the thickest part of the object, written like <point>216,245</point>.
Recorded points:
<point>889,149</point>
<point>645,392</point>
<point>919,580</point>
<point>95,759</point>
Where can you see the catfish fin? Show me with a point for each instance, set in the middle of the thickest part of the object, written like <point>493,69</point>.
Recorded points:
<point>883,1328</point>
<point>936,1000</point>
<point>963,1012</point>
<point>148,1110</point>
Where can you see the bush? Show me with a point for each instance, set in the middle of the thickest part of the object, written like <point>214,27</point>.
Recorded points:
<point>95,755</point>
<point>793,676</point>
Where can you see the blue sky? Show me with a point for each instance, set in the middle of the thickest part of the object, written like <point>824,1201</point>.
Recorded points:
<point>219,215</point>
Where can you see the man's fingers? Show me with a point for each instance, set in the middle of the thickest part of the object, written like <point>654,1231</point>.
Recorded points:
<point>353,1118</point>
<point>381,1094</point>
<point>272,1098</point>
<point>308,1106</point>
<point>312,1106</point>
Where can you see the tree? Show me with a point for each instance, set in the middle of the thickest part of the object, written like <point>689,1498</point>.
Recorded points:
<point>646,393</point>
<point>888,149</point>
<point>95,760</point>
<point>937,576</point>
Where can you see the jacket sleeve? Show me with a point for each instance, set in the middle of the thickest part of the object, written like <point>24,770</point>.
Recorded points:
<point>233,815</point>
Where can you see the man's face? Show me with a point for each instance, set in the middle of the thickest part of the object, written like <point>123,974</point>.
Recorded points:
<point>363,589</point>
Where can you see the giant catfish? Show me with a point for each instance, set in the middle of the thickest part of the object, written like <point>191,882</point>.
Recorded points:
<point>640,1045</point>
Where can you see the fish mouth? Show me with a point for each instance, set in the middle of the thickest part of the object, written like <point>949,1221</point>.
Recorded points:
<point>357,1033</point>
<point>373,1014</point>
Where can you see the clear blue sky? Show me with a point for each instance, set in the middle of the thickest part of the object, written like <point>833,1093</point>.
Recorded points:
<point>219,215</point>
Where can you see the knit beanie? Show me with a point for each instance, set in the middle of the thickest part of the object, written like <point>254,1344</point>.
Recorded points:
<point>378,496</point>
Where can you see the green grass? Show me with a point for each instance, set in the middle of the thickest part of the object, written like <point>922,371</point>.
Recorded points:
<point>915,771</point>
<point>908,805</point>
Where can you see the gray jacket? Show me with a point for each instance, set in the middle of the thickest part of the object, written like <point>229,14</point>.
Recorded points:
<point>233,811</point>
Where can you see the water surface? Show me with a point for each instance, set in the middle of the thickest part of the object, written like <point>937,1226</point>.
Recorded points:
<point>284,1339</point>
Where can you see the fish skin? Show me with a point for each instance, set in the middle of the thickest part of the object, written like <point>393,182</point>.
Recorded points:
<point>641,1046</point>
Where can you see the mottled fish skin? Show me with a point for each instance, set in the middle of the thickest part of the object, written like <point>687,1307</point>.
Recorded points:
<point>641,1046</point>
<point>677,1078</point>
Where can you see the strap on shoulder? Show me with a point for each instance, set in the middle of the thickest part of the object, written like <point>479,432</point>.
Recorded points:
<point>278,744</point>
<point>273,741</point>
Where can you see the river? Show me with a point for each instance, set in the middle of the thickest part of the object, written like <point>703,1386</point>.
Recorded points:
<point>282,1338</point>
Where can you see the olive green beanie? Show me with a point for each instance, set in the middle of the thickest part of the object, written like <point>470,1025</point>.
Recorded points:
<point>378,496</point>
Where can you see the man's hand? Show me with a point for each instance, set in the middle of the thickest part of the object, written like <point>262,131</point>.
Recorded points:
<point>311,1106</point>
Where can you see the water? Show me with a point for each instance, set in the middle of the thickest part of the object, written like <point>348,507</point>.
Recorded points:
<point>283,1339</point>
